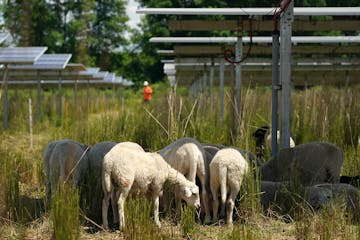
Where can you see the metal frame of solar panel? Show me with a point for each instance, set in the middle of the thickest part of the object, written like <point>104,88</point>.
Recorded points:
<point>16,55</point>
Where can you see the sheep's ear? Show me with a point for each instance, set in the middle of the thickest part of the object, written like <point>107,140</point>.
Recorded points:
<point>188,192</point>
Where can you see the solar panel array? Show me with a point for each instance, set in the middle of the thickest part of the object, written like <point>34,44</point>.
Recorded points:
<point>29,67</point>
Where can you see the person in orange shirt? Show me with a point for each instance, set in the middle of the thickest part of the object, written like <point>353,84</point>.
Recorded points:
<point>147,92</point>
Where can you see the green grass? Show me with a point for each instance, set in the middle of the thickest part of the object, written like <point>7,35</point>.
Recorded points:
<point>139,223</point>
<point>64,213</point>
<point>318,114</point>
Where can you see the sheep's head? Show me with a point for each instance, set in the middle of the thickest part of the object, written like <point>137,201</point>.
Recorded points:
<point>191,195</point>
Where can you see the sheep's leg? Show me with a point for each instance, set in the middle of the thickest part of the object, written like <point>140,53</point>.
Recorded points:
<point>105,207</point>
<point>120,203</point>
<point>231,204</point>
<point>156,210</point>
<point>114,206</point>
<point>223,195</point>
<point>177,206</point>
<point>48,192</point>
<point>214,190</point>
<point>205,203</point>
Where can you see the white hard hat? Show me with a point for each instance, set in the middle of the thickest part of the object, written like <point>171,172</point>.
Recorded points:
<point>146,83</point>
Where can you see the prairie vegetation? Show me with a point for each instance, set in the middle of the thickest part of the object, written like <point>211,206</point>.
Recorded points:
<point>318,114</point>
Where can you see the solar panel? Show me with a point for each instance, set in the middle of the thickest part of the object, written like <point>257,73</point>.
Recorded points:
<point>109,77</point>
<point>21,55</point>
<point>101,74</point>
<point>45,61</point>
<point>75,67</point>
<point>54,84</point>
<point>118,80</point>
<point>92,70</point>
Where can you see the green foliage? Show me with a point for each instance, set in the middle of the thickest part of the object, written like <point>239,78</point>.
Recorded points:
<point>90,30</point>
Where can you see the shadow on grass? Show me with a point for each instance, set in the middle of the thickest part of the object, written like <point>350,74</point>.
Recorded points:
<point>30,208</point>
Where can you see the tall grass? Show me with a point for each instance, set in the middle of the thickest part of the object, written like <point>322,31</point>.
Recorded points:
<point>139,223</point>
<point>64,213</point>
<point>9,180</point>
<point>187,222</point>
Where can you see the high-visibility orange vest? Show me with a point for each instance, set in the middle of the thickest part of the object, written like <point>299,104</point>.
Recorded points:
<point>147,93</point>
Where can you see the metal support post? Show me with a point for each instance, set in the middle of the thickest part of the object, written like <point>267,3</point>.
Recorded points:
<point>221,93</point>
<point>211,86</point>
<point>275,88</point>
<point>285,73</point>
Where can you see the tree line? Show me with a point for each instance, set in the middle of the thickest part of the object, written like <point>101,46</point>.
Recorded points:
<point>94,30</point>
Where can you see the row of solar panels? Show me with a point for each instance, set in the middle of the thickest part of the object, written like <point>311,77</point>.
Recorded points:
<point>25,66</point>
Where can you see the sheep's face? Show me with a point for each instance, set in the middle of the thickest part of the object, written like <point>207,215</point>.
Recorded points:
<point>191,196</point>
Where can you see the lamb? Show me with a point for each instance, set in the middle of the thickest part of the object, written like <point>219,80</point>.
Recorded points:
<point>310,163</point>
<point>227,171</point>
<point>129,171</point>
<point>64,159</point>
<point>94,193</point>
<point>130,145</point>
<point>263,140</point>
<point>187,156</point>
<point>211,149</point>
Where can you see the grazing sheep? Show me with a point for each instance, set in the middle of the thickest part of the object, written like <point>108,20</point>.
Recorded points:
<point>130,145</point>
<point>129,171</point>
<point>211,149</point>
<point>187,156</point>
<point>94,193</point>
<point>263,140</point>
<point>64,160</point>
<point>281,197</point>
<point>308,164</point>
<point>347,193</point>
<point>227,171</point>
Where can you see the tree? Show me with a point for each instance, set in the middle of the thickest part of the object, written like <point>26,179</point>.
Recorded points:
<point>79,30</point>
<point>108,30</point>
<point>89,29</point>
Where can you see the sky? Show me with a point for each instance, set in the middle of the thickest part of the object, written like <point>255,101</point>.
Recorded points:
<point>131,12</point>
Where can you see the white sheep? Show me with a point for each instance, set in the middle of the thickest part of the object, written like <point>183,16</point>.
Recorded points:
<point>310,163</point>
<point>130,171</point>
<point>93,192</point>
<point>187,156</point>
<point>227,171</point>
<point>64,160</point>
<point>130,145</point>
<point>114,197</point>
